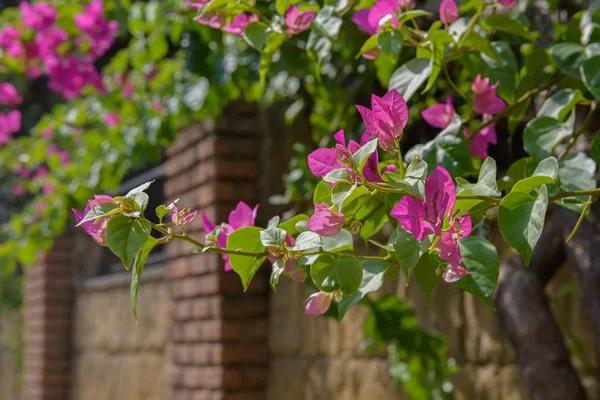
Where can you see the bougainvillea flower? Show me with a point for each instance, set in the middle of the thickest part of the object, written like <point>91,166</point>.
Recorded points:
<point>406,4</point>
<point>47,188</point>
<point>9,95</point>
<point>298,22</point>
<point>97,30</point>
<point>439,115</point>
<point>448,11</point>
<point>196,4</point>
<point>10,41</point>
<point>324,160</point>
<point>112,119</point>
<point>239,24</point>
<point>318,303</point>
<point>17,190</point>
<point>326,222</point>
<point>450,250</point>
<point>33,60</point>
<point>368,19</point>
<point>479,144</point>
<point>183,216</point>
<point>425,217</point>
<point>39,16</point>
<point>69,75</point>
<point>97,230</point>
<point>214,19</point>
<point>486,100</point>
<point>127,90</point>
<point>241,217</point>
<point>49,40</point>
<point>10,123</point>
<point>386,119</point>
<point>47,133</point>
<point>41,172</point>
<point>507,3</point>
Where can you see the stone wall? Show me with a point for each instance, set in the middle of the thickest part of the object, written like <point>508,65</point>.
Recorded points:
<point>11,348</point>
<point>317,358</point>
<point>113,356</point>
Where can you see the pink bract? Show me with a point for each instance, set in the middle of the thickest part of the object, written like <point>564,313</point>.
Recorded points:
<point>239,24</point>
<point>298,22</point>
<point>9,95</point>
<point>448,11</point>
<point>326,222</point>
<point>386,119</point>
<point>39,16</point>
<point>318,303</point>
<point>439,115</point>
<point>97,230</point>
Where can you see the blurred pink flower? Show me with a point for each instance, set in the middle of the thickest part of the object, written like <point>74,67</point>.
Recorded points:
<point>448,11</point>
<point>97,30</point>
<point>39,16</point>
<point>112,119</point>
<point>298,22</point>
<point>239,24</point>
<point>439,115</point>
<point>10,123</point>
<point>17,190</point>
<point>10,41</point>
<point>9,95</point>
<point>486,100</point>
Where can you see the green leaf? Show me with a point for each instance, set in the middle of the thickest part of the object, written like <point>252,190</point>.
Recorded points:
<point>140,201</point>
<point>576,171</point>
<point>126,237</point>
<point>503,69</point>
<point>360,158</point>
<point>545,173</point>
<point>131,194</point>
<point>256,35</point>
<point>282,6</point>
<point>439,42</point>
<point>373,274</point>
<point>345,193</point>
<point>414,179</point>
<point>138,268</point>
<point>560,104</point>
<point>307,240</point>
<point>568,57</point>
<point>486,183</point>
<point>449,148</point>
<point>162,210</point>
<point>158,46</point>
<point>323,274</point>
<point>338,175</point>
<point>410,15</point>
<point>370,44</point>
<point>246,239</point>
<point>521,220</point>
<point>101,210</point>
<point>590,71</point>
<point>349,273</point>
<point>341,242</point>
<point>278,269</point>
<point>407,79</point>
<point>273,237</point>
<point>596,147</point>
<point>426,276</point>
<point>390,44</point>
<point>408,250</point>
<point>505,23</point>
<point>481,260</point>
<point>274,41</point>
<point>480,43</point>
<point>542,134</point>
<point>290,225</point>
<point>322,194</point>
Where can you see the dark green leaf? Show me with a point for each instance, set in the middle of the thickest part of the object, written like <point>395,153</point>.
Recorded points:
<point>323,274</point>
<point>372,280</point>
<point>414,179</point>
<point>486,183</point>
<point>505,23</point>
<point>338,175</point>
<point>590,71</point>
<point>560,104</point>
<point>568,57</point>
<point>408,250</point>
<point>481,260</point>
<point>246,239</point>
<point>576,171</point>
<point>290,225</point>
<point>126,237</point>
<point>545,173</point>
<point>349,273</point>
<point>426,276</point>
<point>390,44</point>
<point>138,268</point>
<point>542,134</point>
<point>256,35</point>
<point>407,79</point>
<point>340,242</point>
<point>521,220</point>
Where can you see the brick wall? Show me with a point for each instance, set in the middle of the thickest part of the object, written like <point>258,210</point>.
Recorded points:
<point>48,315</point>
<point>218,338</point>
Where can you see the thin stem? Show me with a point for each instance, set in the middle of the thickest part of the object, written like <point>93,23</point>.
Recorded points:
<point>493,200</point>
<point>581,217</point>
<point>472,24</point>
<point>581,130</point>
<point>401,170</point>
<point>451,82</point>
<point>593,192</point>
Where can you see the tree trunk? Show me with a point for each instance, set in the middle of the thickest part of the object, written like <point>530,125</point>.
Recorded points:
<point>527,321</point>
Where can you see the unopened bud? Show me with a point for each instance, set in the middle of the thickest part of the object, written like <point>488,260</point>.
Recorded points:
<point>337,296</point>
<point>438,271</point>
<point>343,155</point>
<point>355,227</point>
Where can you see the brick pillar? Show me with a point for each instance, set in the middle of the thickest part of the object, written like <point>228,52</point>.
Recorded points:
<point>218,341</point>
<point>48,312</point>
